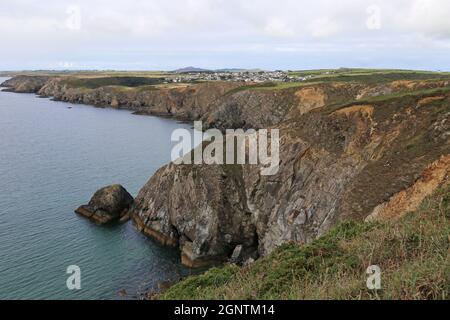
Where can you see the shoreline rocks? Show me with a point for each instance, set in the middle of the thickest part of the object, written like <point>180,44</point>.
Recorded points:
<point>108,204</point>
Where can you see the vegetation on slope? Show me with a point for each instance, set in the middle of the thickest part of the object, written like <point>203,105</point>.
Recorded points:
<point>363,76</point>
<point>94,83</point>
<point>377,78</point>
<point>368,75</point>
<point>412,253</point>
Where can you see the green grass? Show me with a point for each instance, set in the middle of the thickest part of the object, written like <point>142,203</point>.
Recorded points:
<point>378,78</point>
<point>94,83</point>
<point>330,73</point>
<point>411,252</point>
<point>403,94</point>
<point>363,76</point>
<point>368,76</point>
<point>395,96</point>
<point>263,85</point>
<point>272,86</point>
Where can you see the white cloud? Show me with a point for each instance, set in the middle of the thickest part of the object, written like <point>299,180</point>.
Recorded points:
<point>323,27</point>
<point>428,17</point>
<point>276,27</point>
<point>160,32</point>
<point>373,21</point>
<point>73,20</point>
<point>283,18</point>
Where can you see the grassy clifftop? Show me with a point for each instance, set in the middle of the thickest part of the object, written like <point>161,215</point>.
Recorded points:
<point>412,252</point>
<point>94,83</point>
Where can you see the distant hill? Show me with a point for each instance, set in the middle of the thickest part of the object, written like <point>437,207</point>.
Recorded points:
<point>191,69</point>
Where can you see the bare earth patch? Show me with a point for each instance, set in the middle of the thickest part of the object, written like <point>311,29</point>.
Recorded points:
<point>364,109</point>
<point>409,199</point>
<point>310,98</point>
<point>428,100</point>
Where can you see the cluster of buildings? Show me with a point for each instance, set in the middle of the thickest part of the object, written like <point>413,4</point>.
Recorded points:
<point>242,76</point>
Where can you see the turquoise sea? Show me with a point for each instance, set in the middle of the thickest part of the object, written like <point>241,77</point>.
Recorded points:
<point>53,157</point>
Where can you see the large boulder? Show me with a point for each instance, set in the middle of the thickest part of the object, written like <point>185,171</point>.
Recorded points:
<point>108,204</point>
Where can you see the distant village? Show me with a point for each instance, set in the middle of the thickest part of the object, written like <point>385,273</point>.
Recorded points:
<point>243,76</point>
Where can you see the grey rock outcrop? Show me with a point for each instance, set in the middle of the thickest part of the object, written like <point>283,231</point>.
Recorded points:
<point>187,207</point>
<point>108,204</point>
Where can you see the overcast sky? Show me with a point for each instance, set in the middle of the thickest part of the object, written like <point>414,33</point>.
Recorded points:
<point>268,34</point>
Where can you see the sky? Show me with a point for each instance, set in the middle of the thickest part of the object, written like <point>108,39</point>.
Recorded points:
<point>266,34</point>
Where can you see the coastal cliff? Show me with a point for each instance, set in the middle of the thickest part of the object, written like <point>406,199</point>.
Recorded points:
<point>339,162</point>
<point>25,84</point>
<point>347,151</point>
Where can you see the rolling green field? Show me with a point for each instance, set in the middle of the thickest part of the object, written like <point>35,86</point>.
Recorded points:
<point>125,81</point>
<point>329,73</point>
<point>365,76</point>
<point>96,79</point>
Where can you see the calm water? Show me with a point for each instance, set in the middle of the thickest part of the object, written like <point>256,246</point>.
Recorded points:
<point>52,159</point>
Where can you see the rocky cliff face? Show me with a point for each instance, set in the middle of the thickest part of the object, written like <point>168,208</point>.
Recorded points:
<point>25,84</point>
<point>347,150</point>
<point>339,161</point>
<point>188,102</point>
<point>218,104</point>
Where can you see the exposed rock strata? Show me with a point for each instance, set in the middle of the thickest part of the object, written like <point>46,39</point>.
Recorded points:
<point>336,164</point>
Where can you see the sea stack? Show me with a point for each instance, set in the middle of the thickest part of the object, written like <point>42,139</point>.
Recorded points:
<point>109,204</point>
